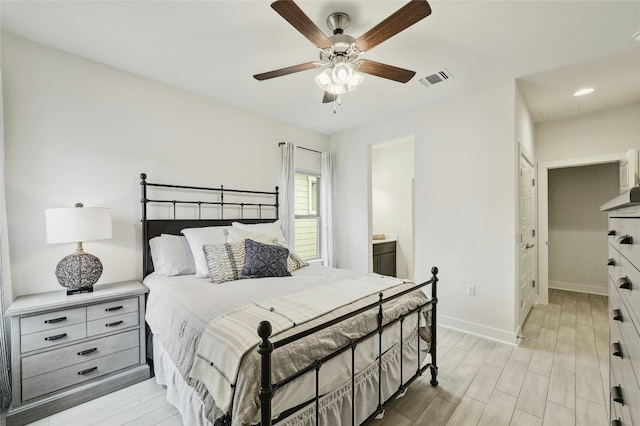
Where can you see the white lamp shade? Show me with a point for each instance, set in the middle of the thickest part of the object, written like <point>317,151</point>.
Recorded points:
<point>78,224</point>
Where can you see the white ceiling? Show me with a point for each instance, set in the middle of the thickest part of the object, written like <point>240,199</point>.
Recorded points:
<point>214,47</point>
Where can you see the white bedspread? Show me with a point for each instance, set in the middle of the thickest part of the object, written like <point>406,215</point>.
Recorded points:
<point>230,336</point>
<point>179,308</point>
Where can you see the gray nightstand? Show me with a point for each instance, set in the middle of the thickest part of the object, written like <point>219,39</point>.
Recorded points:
<point>66,350</point>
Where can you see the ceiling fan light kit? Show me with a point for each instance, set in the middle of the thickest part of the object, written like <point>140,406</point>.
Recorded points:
<point>339,53</point>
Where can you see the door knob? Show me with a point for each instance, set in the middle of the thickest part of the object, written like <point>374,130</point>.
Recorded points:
<point>528,246</point>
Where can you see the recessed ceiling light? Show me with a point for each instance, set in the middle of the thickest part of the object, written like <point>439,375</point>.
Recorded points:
<point>636,36</point>
<point>584,91</point>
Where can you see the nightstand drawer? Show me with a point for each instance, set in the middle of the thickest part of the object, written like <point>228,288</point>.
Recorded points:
<point>50,382</point>
<point>51,320</point>
<point>109,309</point>
<point>107,325</point>
<point>53,337</point>
<point>81,352</point>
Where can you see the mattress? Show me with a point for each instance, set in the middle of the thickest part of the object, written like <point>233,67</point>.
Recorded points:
<point>179,309</point>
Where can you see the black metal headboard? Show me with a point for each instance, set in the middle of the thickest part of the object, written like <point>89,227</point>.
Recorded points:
<point>243,200</point>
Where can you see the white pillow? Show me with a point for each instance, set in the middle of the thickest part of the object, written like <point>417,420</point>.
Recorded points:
<point>272,229</point>
<point>236,235</point>
<point>176,254</point>
<point>197,238</point>
<point>156,255</point>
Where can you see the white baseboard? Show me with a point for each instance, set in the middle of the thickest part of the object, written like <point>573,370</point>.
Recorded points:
<point>580,288</point>
<point>477,329</point>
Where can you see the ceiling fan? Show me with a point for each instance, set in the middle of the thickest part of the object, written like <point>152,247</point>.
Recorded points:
<point>340,53</point>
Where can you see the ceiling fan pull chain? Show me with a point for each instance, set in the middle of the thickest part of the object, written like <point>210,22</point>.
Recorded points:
<point>336,103</point>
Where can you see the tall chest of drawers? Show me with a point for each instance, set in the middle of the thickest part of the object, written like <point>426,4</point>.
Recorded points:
<point>66,350</point>
<point>624,306</point>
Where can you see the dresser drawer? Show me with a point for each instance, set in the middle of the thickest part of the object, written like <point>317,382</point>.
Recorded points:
<point>630,296</point>
<point>43,384</point>
<point>51,320</point>
<point>624,228</point>
<point>613,263</point>
<point>618,410</point>
<point>57,336</point>
<point>113,308</point>
<point>625,377</point>
<point>75,354</point>
<point>107,325</point>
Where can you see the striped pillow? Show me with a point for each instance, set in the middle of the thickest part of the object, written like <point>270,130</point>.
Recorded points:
<point>225,261</point>
<point>295,262</point>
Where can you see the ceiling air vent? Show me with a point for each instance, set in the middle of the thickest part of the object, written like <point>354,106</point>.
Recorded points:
<point>436,78</point>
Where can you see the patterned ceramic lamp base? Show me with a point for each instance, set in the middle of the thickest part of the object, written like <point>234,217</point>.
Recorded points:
<point>78,272</point>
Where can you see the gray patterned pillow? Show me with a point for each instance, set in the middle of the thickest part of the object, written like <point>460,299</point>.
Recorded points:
<point>265,260</point>
<point>225,261</point>
<point>295,262</point>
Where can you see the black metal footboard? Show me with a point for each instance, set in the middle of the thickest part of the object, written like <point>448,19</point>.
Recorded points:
<point>266,347</point>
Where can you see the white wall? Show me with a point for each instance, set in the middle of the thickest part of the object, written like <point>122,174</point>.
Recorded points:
<point>525,127</point>
<point>611,131</point>
<point>392,174</point>
<point>464,203</point>
<point>76,130</point>
<point>577,228</point>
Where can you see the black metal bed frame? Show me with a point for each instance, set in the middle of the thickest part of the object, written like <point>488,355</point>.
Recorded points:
<point>266,347</point>
<point>156,227</point>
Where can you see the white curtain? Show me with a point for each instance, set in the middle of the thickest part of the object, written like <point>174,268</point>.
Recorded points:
<point>287,193</point>
<point>5,278</point>
<point>327,190</point>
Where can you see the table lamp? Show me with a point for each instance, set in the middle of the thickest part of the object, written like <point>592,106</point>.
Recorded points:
<point>78,272</point>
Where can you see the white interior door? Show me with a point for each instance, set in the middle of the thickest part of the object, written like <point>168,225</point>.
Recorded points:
<point>527,247</point>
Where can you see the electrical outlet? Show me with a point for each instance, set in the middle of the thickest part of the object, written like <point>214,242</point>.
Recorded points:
<point>471,290</point>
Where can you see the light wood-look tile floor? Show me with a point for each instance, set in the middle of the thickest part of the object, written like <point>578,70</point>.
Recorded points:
<point>559,375</point>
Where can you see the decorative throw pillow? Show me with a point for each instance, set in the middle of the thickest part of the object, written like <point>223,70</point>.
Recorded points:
<point>265,260</point>
<point>225,261</point>
<point>295,262</point>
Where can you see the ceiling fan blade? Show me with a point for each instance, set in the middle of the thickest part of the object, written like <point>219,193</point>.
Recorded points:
<point>402,19</point>
<point>328,97</point>
<point>301,22</point>
<point>286,71</point>
<point>385,71</point>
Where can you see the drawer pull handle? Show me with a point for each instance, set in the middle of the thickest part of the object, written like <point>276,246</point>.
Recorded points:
<point>52,321</point>
<point>113,324</point>
<point>616,350</point>
<point>87,371</point>
<point>56,337</point>
<point>617,315</point>
<point>624,283</point>
<point>115,308</point>
<point>616,392</point>
<point>625,239</point>
<point>88,351</point>
<point>611,262</point>
<point>611,232</point>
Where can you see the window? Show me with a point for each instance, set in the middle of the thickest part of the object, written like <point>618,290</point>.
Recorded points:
<point>307,227</point>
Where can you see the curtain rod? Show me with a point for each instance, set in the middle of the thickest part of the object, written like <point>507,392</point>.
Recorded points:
<point>302,147</point>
